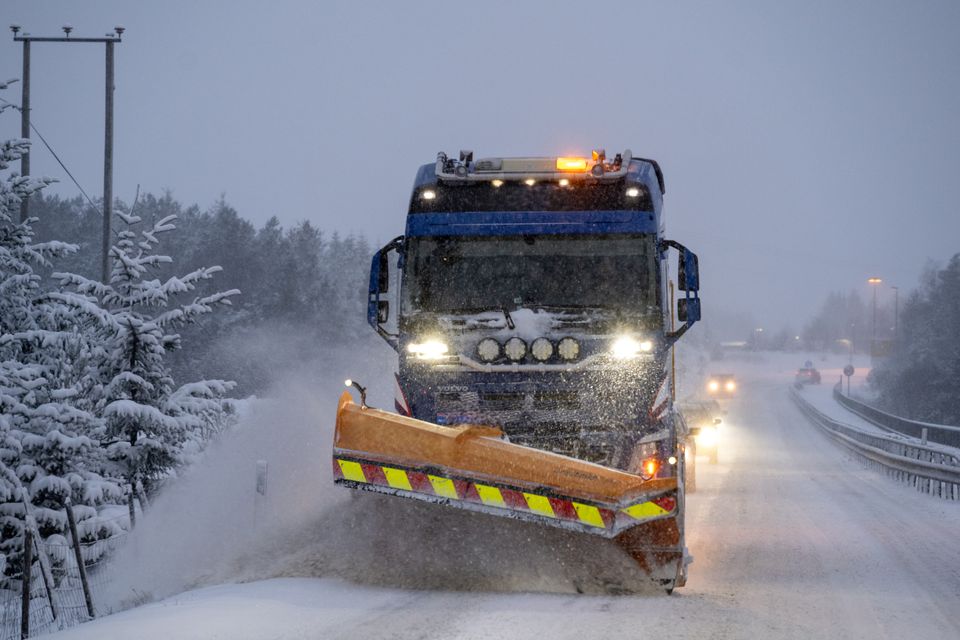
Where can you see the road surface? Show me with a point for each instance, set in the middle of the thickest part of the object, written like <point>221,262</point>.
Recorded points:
<point>791,538</point>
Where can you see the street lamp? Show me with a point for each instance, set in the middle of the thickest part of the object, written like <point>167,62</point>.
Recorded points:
<point>873,342</point>
<point>849,345</point>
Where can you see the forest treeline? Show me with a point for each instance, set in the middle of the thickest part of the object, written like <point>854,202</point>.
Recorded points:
<point>301,289</point>
<point>917,373</point>
<point>921,377</point>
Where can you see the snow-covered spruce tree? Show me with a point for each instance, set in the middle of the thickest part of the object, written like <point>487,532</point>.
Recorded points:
<point>151,425</point>
<point>46,453</point>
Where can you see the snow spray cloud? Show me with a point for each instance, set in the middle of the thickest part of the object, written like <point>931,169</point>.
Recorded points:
<point>210,526</point>
<point>203,525</point>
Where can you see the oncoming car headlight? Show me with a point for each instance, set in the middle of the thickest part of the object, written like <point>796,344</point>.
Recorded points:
<point>730,386</point>
<point>626,347</point>
<point>713,385</point>
<point>428,349</point>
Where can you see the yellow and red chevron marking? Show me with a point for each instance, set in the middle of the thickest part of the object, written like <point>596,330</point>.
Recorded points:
<point>497,496</point>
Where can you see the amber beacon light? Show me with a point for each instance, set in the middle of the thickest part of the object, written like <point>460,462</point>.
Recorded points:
<point>571,164</point>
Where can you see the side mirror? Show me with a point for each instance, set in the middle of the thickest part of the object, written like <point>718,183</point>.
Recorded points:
<point>383,271</point>
<point>688,268</point>
<point>688,279</point>
<point>378,311</point>
<point>717,421</point>
<point>688,309</point>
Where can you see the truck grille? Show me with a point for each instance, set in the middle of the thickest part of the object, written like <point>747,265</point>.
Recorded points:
<point>557,421</point>
<point>567,400</point>
<point>501,401</point>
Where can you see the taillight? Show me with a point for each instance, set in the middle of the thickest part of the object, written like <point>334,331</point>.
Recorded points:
<point>667,503</point>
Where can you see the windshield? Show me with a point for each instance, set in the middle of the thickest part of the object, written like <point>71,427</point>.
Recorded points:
<point>449,274</point>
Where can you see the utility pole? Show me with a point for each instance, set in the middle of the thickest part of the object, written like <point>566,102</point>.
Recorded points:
<point>896,313</point>
<point>873,341</point>
<point>109,40</point>
<point>24,118</point>
<point>107,164</point>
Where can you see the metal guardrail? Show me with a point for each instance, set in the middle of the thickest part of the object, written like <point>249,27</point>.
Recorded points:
<point>939,433</point>
<point>930,469</point>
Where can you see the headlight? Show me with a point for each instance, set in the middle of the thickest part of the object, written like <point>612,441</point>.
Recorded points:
<point>731,385</point>
<point>626,347</point>
<point>707,436</point>
<point>541,349</point>
<point>488,349</point>
<point>515,349</point>
<point>568,348</point>
<point>713,386</point>
<point>428,349</point>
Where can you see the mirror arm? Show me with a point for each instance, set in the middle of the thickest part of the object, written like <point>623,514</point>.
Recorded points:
<point>391,338</point>
<point>673,336</point>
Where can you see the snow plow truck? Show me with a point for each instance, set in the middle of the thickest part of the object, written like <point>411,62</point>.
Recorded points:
<point>529,305</point>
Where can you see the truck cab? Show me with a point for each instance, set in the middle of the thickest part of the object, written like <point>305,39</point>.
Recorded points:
<point>532,294</point>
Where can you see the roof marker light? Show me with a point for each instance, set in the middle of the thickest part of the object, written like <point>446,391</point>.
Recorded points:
<point>497,183</point>
<point>571,164</point>
<point>428,194</point>
<point>529,182</point>
<point>564,182</point>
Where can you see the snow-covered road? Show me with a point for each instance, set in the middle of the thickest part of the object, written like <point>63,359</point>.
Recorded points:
<point>791,539</point>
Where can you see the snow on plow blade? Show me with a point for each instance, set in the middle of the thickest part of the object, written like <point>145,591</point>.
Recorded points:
<point>470,467</point>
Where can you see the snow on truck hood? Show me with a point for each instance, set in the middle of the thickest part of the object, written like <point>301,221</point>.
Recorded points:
<point>530,324</point>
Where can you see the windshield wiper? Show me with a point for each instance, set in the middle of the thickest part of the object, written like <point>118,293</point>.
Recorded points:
<point>573,307</point>
<point>506,314</point>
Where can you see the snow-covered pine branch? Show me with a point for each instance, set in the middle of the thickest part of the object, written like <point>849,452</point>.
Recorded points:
<point>49,433</point>
<point>148,420</point>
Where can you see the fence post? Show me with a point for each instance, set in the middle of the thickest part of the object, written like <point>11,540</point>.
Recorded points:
<point>81,567</point>
<point>132,509</point>
<point>45,573</point>
<point>923,435</point>
<point>47,576</point>
<point>27,566</point>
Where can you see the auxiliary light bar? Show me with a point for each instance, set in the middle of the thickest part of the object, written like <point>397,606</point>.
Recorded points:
<point>596,167</point>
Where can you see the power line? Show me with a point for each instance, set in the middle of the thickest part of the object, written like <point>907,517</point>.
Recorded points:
<point>57,158</point>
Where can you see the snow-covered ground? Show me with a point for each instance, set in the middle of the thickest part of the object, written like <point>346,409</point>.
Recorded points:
<point>791,539</point>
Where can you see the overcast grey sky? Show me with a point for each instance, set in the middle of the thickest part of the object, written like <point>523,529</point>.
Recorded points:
<point>806,145</point>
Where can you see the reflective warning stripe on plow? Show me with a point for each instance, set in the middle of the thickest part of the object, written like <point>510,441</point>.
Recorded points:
<point>555,508</point>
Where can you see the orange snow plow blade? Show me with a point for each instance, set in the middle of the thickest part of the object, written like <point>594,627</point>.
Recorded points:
<point>471,467</point>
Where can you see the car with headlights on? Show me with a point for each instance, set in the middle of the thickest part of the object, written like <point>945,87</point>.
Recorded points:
<point>807,374</point>
<point>703,419</point>
<point>721,385</point>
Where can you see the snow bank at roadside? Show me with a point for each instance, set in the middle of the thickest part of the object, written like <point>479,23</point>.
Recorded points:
<point>291,608</point>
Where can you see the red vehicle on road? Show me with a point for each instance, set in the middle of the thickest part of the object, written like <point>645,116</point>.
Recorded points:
<point>807,374</point>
